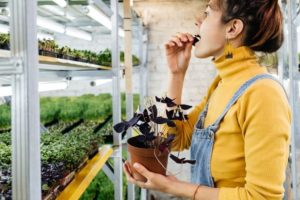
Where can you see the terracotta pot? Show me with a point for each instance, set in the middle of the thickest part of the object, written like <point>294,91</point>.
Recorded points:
<point>146,157</point>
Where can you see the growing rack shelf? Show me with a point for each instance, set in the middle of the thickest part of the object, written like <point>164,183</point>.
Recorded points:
<point>85,176</point>
<point>51,63</point>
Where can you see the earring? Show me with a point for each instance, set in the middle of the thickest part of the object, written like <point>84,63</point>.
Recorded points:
<point>228,50</point>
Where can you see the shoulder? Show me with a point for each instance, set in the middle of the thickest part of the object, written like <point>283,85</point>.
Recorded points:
<point>265,96</point>
<point>265,89</point>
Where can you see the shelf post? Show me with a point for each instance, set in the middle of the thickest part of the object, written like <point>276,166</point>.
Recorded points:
<point>26,162</point>
<point>294,95</point>
<point>128,79</point>
<point>118,184</point>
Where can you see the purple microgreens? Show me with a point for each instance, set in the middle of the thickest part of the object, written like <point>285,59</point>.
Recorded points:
<point>151,126</point>
<point>171,123</point>
<point>146,117</point>
<point>181,160</point>
<point>160,120</point>
<point>166,143</point>
<point>123,126</point>
<point>120,127</point>
<point>168,101</point>
<point>185,107</point>
<point>153,112</point>
<point>145,128</point>
<point>133,121</point>
<point>170,138</point>
<point>170,114</point>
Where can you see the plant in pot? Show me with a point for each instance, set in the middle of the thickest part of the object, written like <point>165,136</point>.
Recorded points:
<point>49,48</point>
<point>4,41</point>
<point>152,146</point>
<point>64,53</point>
<point>104,58</point>
<point>41,45</point>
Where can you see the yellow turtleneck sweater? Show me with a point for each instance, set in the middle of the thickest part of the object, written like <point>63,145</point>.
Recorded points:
<point>252,143</point>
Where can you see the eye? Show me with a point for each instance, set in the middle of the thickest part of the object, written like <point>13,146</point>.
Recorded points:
<point>205,14</point>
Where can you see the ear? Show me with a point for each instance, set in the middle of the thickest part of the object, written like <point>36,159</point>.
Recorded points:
<point>234,28</point>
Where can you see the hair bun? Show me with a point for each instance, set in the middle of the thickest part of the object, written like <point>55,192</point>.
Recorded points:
<point>263,21</point>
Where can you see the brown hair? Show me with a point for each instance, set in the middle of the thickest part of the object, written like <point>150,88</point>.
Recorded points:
<point>262,19</point>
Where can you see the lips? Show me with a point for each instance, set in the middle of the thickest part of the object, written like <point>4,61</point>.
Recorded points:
<point>196,39</point>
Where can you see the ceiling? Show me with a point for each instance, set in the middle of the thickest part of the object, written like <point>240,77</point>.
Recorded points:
<point>71,16</point>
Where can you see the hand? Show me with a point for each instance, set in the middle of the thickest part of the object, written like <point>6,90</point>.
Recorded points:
<point>154,181</point>
<point>178,52</point>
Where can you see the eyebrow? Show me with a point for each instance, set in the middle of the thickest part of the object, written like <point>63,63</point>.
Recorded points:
<point>211,6</point>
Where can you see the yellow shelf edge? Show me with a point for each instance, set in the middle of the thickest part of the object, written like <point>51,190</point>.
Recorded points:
<point>83,179</point>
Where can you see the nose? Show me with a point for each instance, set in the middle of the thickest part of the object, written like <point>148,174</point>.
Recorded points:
<point>198,23</point>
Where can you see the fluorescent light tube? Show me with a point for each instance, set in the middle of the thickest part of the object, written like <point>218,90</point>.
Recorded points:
<point>52,86</point>
<point>100,82</point>
<point>58,11</point>
<point>96,14</point>
<point>78,33</point>
<point>121,32</point>
<point>61,3</point>
<point>99,16</point>
<point>43,87</point>
<point>50,25</point>
<point>5,91</point>
<point>4,28</point>
<point>57,27</point>
<point>42,36</point>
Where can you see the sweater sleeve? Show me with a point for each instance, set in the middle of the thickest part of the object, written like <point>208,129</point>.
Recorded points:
<point>264,116</point>
<point>184,129</point>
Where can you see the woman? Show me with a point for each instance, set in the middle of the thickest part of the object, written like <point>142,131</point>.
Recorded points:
<point>240,132</point>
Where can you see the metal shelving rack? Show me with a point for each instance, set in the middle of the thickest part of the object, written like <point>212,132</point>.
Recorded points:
<point>288,71</point>
<point>25,125</point>
<point>23,67</point>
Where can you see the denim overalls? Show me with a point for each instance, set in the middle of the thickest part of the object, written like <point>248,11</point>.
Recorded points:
<point>203,138</point>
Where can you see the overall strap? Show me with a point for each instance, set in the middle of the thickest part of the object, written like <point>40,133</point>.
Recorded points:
<point>240,91</point>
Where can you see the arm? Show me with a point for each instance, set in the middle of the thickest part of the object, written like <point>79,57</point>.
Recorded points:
<point>175,85</point>
<point>184,129</point>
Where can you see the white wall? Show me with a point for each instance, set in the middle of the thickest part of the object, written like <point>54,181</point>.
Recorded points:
<point>164,19</point>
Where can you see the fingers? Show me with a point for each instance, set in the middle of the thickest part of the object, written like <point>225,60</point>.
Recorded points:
<point>179,39</point>
<point>128,173</point>
<point>141,184</point>
<point>130,178</point>
<point>185,37</point>
<point>128,167</point>
<point>143,171</point>
<point>170,44</point>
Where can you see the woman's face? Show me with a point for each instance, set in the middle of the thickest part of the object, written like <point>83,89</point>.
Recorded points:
<point>211,31</point>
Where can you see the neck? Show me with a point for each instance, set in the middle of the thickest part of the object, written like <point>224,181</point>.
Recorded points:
<point>244,59</point>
